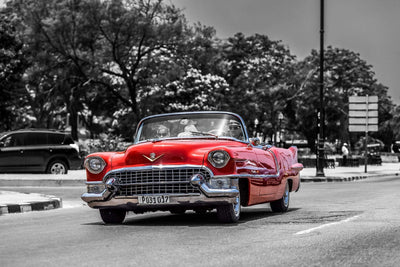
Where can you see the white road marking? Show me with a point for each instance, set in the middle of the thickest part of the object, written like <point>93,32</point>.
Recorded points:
<point>326,225</point>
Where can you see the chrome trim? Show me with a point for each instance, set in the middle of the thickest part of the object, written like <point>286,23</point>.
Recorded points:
<point>278,169</point>
<point>158,167</point>
<point>87,165</point>
<point>90,197</point>
<point>174,200</point>
<point>212,162</point>
<point>245,175</point>
<point>246,136</point>
<point>212,192</point>
<point>94,182</point>
<point>198,180</point>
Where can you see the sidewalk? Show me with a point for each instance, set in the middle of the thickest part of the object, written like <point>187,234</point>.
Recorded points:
<point>14,202</point>
<point>341,174</point>
<point>11,202</point>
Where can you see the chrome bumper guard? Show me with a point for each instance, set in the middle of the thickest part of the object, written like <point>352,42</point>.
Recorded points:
<point>106,197</point>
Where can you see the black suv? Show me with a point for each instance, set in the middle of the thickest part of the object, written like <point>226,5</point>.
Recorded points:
<point>38,151</point>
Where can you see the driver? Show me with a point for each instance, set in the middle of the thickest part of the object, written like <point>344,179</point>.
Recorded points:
<point>235,129</point>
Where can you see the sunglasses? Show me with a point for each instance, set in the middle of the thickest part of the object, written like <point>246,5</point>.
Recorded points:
<point>234,127</point>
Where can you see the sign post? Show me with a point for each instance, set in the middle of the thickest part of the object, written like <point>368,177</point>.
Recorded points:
<point>363,117</point>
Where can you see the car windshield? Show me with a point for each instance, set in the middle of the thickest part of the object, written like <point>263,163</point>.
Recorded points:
<point>191,125</point>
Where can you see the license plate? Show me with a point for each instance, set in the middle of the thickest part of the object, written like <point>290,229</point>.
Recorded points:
<point>153,199</point>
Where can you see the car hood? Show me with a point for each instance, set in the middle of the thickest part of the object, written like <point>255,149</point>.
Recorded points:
<point>170,152</point>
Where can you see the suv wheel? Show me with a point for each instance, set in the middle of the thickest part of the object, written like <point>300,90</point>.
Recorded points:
<point>57,167</point>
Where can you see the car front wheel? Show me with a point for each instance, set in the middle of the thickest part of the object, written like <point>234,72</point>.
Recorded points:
<point>229,213</point>
<point>282,204</point>
<point>57,167</point>
<point>114,216</point>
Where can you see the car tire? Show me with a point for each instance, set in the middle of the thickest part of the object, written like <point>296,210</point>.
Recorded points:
<point>201,211</point>
<point>177,211</point>
<point>57,167</point>
<point>229,213</point>
<point>282,204</point>
<point>113,216</point>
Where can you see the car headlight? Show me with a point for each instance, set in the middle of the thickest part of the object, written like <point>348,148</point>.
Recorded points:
<point>218,158</point>
<point>95,164</point>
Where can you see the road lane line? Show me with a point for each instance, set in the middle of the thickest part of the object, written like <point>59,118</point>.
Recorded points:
<point>326,225</point>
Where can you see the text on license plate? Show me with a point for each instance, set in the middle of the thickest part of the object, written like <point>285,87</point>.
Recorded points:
<point>153,199</point>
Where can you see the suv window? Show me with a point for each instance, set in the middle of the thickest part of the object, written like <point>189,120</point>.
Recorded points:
<point>68,140</point>
<point>14,140</point>
<point>56,139</point>
<point>35,139</point>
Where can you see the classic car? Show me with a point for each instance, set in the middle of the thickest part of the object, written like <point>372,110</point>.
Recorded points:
<point>197,161</point>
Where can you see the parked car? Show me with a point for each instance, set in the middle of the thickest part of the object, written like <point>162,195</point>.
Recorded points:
<point>191,161</point>
<point>34,150</point>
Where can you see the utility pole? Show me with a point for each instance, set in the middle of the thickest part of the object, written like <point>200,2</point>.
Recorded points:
<point>321,113</point>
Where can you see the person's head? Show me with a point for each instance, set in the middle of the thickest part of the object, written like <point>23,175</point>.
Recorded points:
<point>235,129</point>
<point>345,144</point>
<point>162,131</point>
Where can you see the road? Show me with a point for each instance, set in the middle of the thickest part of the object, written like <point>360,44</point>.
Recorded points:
<point>329,224</point>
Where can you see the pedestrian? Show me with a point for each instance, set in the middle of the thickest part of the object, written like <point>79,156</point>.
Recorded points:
<point>345,154</point>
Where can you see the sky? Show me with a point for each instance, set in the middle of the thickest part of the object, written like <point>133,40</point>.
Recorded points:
<point>368,27</point>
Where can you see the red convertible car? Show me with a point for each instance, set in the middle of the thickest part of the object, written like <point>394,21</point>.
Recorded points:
<point>191,161</point>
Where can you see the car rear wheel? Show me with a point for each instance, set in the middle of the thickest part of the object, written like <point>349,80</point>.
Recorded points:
<point>282,204</point>
<point>115,216</point>
<point>229,213</point>
<point>57,167</point>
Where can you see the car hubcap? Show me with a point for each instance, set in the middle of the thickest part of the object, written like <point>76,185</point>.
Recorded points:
<point>57,169</point>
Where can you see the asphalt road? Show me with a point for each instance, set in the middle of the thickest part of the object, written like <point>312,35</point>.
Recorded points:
<point>329,224</point>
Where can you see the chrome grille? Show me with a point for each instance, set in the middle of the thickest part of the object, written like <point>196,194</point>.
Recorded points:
<point>156,181</point>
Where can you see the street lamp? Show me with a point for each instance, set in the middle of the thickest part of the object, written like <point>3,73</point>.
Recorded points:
<point>280,118</point>
<point>321,113</point>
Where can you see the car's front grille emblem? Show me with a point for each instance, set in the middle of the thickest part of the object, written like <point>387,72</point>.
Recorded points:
<point>152,157</point>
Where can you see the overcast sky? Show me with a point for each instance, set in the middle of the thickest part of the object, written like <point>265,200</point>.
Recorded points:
<point>368,27</point>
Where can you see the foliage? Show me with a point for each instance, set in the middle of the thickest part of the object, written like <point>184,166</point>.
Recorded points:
<point>345,74</point>
<point>257,70</point>
<point>12,67</point>
<point>104,64</point>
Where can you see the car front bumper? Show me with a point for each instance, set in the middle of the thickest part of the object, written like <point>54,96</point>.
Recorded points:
<point>208,196</point>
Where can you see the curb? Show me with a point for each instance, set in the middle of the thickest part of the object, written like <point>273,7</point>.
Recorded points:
<point>310,179</point>
<point>51,203</point>
<point>331,179</point>
<point>42,182</point>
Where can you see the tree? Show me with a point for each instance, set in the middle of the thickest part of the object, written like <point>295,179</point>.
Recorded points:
<point>12,67</point>
<point>196,91</point>
<point>257,69</point>
<point>107,44</point>
<point>345,74</point>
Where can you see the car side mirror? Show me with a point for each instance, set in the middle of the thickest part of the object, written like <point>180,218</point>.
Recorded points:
<point>255,141</point>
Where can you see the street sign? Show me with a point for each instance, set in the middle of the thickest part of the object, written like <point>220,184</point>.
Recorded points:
<point>363,117</point>
<point>363,120</point>
<point>363,113</point>
<point>363,128</point>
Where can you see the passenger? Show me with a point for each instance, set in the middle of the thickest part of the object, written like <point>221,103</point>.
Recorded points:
<point>162,131</point>
<point>189,128</point>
